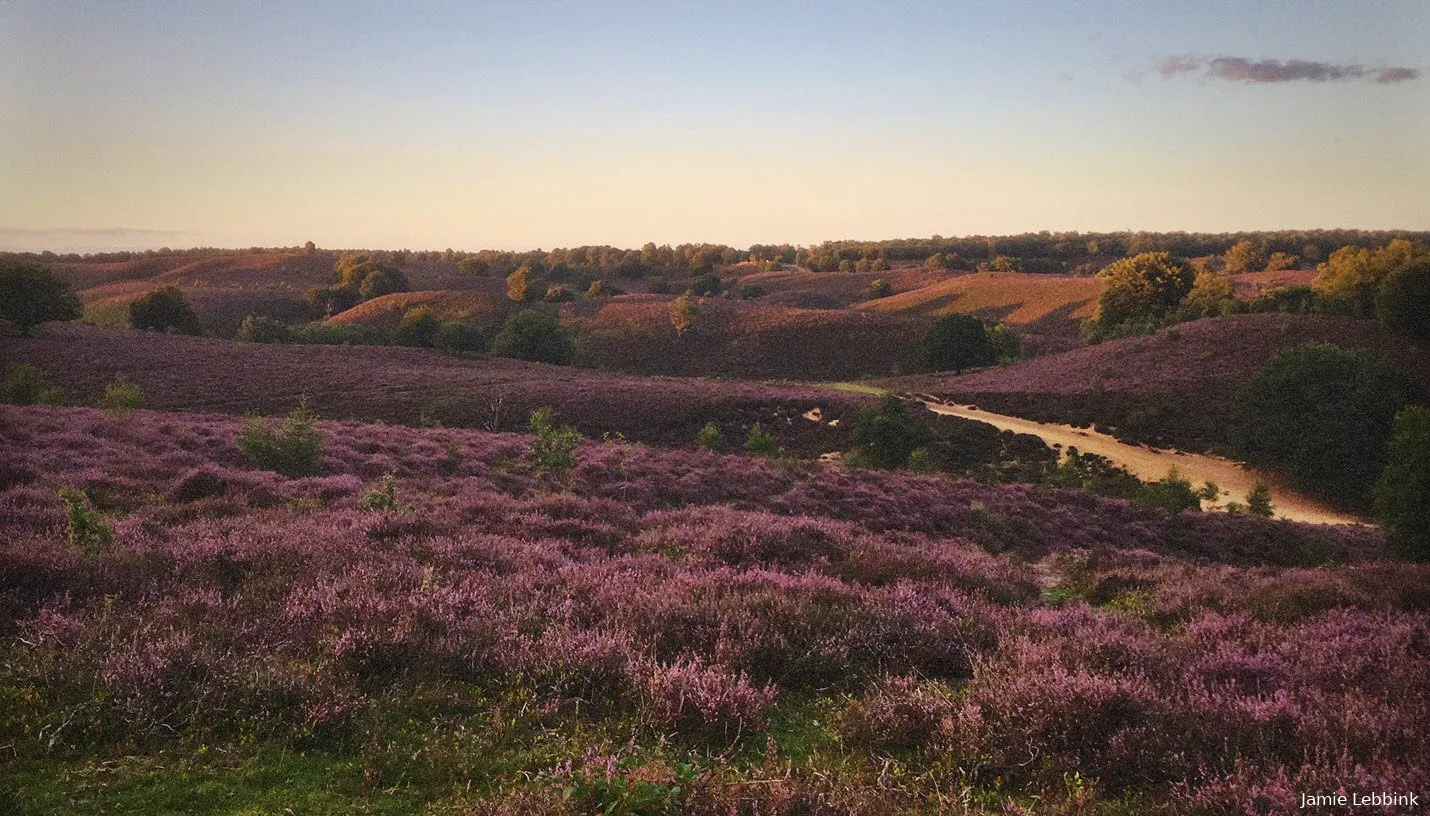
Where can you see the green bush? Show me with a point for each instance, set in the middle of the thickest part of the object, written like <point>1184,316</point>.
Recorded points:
<point>710,437</point>
<point>25,384</point>
<point>85,526</point>
<point>534,336</point>
<point>880,288</point>
<point>384,499</point>
<point>1171,492</point>
<point>761,443</point>
<point>885,436</point>
<point>458,336</point>
<point>1258,501</point>
<point>296,450</point>
<point>31,294</point>
<point>1402,494</point>
<point>554,448</point>
<point>955,342</point>
<point>260,329</point>
<point>1145,287</point>
<point>122,397</point>
<point>1324,414</point>
<point>1403,302</point>
<point>417,328</point>
<point>164,310</point>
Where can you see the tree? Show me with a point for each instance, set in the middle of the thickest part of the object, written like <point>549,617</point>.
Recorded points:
<point>707,284</point>
<point>885,436</point>
<point>360,277</point>
<point>955,342</point>
<point>418,327</point>
<point>1354,274</point>
<point>1211,295</point>
<point>1402,495</point>
<point>164,310</point>
<point>31,294</point>
<point>1403,302</point>
<point>683,311</point>
<point>1245,256</point>
<point>536,337</point>
<point>554,448</point>
<point>601,289</point>
<point>473,266</point>
<point>1258,501</point>
<point>1322,413</point>
<point>521,286</point>
<point>1144,288</point>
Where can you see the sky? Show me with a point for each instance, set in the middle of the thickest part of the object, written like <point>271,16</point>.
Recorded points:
<point>541,123</point>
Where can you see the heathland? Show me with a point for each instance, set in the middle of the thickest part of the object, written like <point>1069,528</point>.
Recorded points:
<point>651,531</point>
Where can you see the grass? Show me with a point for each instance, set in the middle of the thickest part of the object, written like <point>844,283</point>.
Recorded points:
<point>854,388</point>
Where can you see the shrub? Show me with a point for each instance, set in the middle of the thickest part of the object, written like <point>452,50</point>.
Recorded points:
<point>26,384</point>
<point>657,285</point>
<point>760,442</point>
<point>702,285</point>
<point>417,328</point>
<point>751,292</point>
<point>260,329</point>
<point>710,437</point>
<point>703,702</point>
<point>1403,302</point>
<point>521,285</point>
<point>554,447</point>
<point>1171,492</point>
<point>880,288</point>
<point>84,525</point>
<point>384,499</point>
<point>164,310</point>
<point>122,397</point>
<point>536,337</point>
<point>1324,414</point>
<point>31,294</point>
<point>1402,495</point>
<point>1007,347</point>
<point>955,342</point>
<point>458,336</point>
<point>472,266</point>
<point>559,294</point>
<point>295,451</point>
<point>1354,275</point>
<point>601,289</point>
<point>885,436</point>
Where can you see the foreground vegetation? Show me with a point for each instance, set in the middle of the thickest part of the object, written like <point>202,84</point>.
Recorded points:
<point>662,631</point>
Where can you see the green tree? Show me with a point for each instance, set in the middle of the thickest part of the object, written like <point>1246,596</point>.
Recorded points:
<point>418,327</point>
<point>1403,302</point>
<point>473,266</point>
<point>880,288</point>
<point>885,436</point>
<point>1143,288</point>
<point>710,437</point>
<point>1245,256</point>
<point>1258,501</point>
<point>522,286</point>
<point>31,294</point>
<point>1211,295</point>
<point>760,442</point>
<point>955,342</point>
<point>534,336</point>
<point>1171,492</point>
<point>1402,495</point>
<point>164,310</point>
<point>554,448</point>
<point>1353,274</point>
<point>683,312</point>
<point>1322,413</point>
<point>86,527</point>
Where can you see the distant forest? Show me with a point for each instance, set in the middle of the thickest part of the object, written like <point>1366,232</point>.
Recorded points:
<point>1044,252</point>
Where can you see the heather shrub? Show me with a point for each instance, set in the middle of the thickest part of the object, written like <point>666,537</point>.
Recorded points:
<point>121,397</point>
<point>84,525</point>
<point>554,448</point>
<point>897,713</point>
<point>199,483</point>
<point>701,702</point>
<point>25,384</point>
<point>294,451</point>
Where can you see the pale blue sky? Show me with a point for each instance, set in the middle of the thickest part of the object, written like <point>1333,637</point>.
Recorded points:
<point>524,124</point>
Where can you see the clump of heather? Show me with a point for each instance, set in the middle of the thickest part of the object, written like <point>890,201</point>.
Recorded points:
<point>701,702</point>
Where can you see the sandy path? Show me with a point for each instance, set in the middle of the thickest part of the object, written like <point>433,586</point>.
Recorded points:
<point>1150,464</point>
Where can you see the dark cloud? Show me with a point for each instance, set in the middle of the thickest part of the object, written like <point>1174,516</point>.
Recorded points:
<point>1240,69</point>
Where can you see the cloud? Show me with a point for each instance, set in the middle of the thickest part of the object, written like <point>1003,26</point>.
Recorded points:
<point>1240,69</point>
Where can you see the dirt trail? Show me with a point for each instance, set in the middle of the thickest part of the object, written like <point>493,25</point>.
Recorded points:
<point>1150,464</point>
